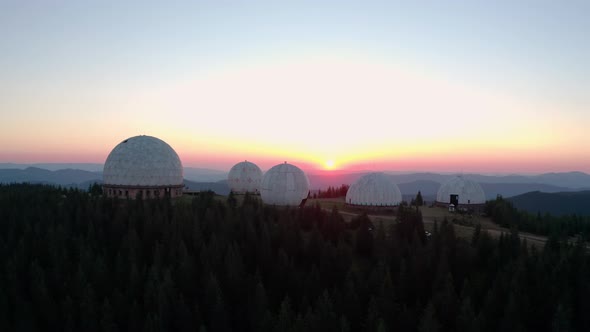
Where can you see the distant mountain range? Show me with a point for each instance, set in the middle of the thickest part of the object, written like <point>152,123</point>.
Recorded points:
<point>557,204</point>
<point>204,174</point>
<point>220,187</point>
<point>62,177</point>
<point>429,188</point>
<point>82,175</point>
<point>10,172</point>
<point>573,180</point>
<point>569,180</point>
<point>56,166</point>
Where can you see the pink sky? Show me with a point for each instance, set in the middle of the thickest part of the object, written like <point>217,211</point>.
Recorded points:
<point>483,94</point>
<point>522,162</point>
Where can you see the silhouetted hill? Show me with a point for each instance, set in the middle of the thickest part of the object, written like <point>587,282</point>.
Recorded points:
<point>574,180</point>
<point>513,189</point>
<point>204,174</point>
<point>508,185</point>
<point>427,188</point>
<point>90,167</point>
<point>220,187</point>
<point>409,184</point>
<point>569,179</point>
<point>560,203</point>
<point>191,173</point>
<point>63,177</point>
<point>80,179</point>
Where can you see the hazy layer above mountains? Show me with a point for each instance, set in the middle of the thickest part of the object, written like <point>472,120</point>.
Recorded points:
<point>82,175</point>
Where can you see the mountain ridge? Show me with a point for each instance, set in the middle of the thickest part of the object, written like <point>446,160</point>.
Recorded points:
<point>409,184</point>
<point>557,204</point>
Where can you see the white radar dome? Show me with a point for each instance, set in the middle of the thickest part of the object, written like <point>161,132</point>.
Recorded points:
<point>143,161</point>
<point>284,184</point>
<point>374,189</point>
<point>460,191</point>
<point>244,177</point>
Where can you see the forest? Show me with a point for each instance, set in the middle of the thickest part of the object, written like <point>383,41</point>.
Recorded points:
<point>73,260</point>
<point>332,192</point>
<point>505,214</point>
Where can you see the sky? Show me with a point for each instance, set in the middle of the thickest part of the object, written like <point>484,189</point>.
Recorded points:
<point>447,86</point>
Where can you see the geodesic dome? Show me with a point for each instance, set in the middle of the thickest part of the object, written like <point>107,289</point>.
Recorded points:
<point>284,184</point>
<point>244,177</point>
<point>143,161</point>
<point>374,189</point>
<point>462,190</point>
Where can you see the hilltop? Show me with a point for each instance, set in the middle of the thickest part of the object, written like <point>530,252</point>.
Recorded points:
<point>560,203</point>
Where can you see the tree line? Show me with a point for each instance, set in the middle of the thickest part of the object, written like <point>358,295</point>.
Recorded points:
<point>77,261</point>
<point>505,214</point>
<point>332,192</point>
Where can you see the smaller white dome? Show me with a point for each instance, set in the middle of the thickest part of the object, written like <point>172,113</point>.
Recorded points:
<point>466,191</point>
<point>374,189</point>
<point>244,177</point>
<point>284,184</point>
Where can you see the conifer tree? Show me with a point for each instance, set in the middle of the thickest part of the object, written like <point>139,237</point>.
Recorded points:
<point>428,321</point>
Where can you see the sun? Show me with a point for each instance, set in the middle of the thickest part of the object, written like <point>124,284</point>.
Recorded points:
<point>329,164</point>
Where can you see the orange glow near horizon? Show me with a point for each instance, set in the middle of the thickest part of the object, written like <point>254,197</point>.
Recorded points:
<point>329,164</point>
<point>222,157</point>
<point>327,95</point>
<point>521,149</point>
<point>353,114</point>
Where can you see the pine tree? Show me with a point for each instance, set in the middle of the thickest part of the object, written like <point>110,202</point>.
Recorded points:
<point>344,325</point>
<point>88,312</point>
<point>217,317</point>
<point>134,319</point>
<point>476,235</point>
<point>428,321</point>
<point>373,315</point>
<point>364,236</point>
<point>232,202</point>
<point>107,322</point>
<point>286,316</point>
<point>466,319</point>
<point>381,327</point>
<point>419,201</point>
<point>325,315</point>
<point>562,319</point>
<point>259,308</point>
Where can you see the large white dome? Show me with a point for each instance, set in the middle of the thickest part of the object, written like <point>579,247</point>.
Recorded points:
<point>143,161</point>
<point>244,177</point>
<point>284,184</point>
<point>462,190</point>
<point>374,189</point>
